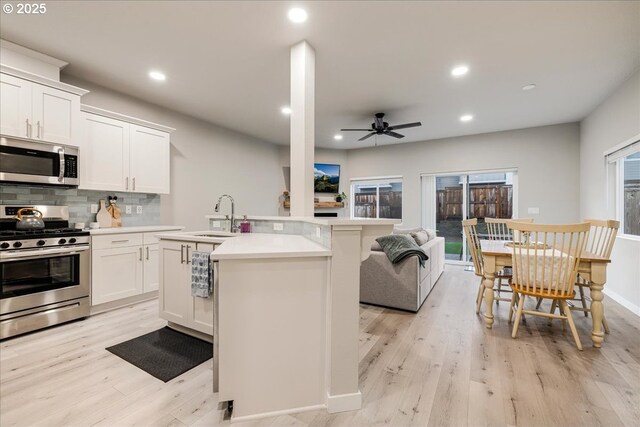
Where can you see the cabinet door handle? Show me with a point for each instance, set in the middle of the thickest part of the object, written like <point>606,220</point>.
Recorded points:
<point>134,183</point>
<point>188,262</point>
<point>147,252</point>
<point>140,253</point>
<point>28,129</point>
<point>120,241</point>
<point>181,254</point>
<point>38,127</point>
<point>126,185</point>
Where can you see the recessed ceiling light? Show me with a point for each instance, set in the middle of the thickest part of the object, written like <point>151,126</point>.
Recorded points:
<point>460,70</point>
<point>466,118</point>
<point>529,87</point>
<point>337,137</point>
<point>297,15</point>
<point>157,75</point>
<point>286,111</point>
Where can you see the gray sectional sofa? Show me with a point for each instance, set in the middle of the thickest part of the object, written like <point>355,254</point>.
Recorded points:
<point>404,285</point>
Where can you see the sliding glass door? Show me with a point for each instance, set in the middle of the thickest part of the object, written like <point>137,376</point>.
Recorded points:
<point>448,199</point>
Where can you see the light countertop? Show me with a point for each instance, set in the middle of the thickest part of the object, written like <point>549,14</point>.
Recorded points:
<point>141,229</point>
<point>313,220</point>
<point>262,245</point>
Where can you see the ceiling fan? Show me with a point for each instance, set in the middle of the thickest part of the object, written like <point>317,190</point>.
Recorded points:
<point>380,127</point>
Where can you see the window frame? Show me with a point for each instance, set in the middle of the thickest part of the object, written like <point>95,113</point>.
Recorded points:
<point>614,166</point>
<point>374,181</point>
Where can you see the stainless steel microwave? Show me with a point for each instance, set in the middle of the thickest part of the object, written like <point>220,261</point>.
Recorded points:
<point>32,162</point>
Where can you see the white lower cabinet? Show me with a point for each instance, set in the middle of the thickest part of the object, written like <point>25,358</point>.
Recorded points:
<point>116,273</point>
<point>151,268</point>
<point>176,303</point>
<point>123,266</point>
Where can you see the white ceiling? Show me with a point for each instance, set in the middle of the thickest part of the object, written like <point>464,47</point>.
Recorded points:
<point>228,62</point>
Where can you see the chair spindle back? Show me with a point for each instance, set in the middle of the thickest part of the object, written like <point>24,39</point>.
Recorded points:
<point>602,235</point>
<point>545,258</point>
<point>471,233</point>
<point>498,229</point>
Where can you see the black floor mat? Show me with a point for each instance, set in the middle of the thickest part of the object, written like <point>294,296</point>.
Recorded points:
<point>164,353</point>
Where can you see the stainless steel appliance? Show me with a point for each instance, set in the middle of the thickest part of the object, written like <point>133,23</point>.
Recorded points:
<point>44,274</point>
<point>32,162</point>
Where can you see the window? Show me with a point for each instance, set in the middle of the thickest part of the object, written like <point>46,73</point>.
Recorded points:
<point>624,167</point>
<point>447,199</point>
<point>376,198</point>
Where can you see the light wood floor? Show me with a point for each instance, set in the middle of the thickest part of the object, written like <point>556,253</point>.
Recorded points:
<point>439,367</point>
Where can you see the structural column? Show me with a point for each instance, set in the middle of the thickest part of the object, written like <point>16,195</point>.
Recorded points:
<point>302,128</point>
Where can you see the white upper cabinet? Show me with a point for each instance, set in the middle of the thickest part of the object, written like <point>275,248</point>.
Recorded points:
<point>15,106</point>
<point>149,166</point>
<point>121,156</point>
<point>105,153</point>
<point>56,115</point>
<point>38,111</point>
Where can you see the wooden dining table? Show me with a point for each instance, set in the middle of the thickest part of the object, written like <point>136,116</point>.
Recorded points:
<point>496,256</point>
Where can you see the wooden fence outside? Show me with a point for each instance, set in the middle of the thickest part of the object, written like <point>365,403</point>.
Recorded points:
<point>632,210</point>
<point>492,201</point>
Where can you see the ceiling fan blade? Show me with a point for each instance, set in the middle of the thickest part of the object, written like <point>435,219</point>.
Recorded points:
<point>404,126</point>
<point>394,134</point>
<point>367,136</point>
<point>357,130</point>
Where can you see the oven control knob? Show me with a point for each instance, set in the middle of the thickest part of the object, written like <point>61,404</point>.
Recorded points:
<point>17,244</point>
<point>4,245</point>
<point>72,240</point>
<point>62,241</point>
<point>41,242</point>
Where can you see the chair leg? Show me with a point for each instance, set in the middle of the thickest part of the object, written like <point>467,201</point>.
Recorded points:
<point>584,301</point>
<point>605,325</point>
<point>480,296</point>
<point>554,304</point>
<point>567,312</point>
<point>539,304</point>
<point>518,316</point>
<point>513,303</point>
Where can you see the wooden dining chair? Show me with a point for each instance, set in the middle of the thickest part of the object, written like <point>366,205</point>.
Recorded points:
<point>497,229</point>
<point>471,232</point>
<point>602,236</point>
<point>545,265</point>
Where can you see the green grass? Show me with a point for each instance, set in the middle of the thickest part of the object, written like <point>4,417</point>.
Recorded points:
<point>453,247</point>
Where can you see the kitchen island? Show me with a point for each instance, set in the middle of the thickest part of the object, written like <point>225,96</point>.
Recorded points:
<point>287,310</point>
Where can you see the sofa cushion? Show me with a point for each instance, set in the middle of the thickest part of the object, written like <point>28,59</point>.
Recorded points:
<point>375,246</point>
<point>421,237</point>
<point>406,230</point>
<point>432,233</point>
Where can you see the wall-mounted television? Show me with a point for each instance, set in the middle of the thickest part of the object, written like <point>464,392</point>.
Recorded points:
<point>326,178</point>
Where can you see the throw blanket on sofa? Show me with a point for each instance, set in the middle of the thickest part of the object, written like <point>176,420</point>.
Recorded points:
<point>400,246</point>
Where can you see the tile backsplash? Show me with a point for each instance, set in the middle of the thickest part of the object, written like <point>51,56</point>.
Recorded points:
<point>80,201</point>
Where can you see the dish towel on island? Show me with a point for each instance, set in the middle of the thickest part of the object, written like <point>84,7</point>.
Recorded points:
<point>201,274</point>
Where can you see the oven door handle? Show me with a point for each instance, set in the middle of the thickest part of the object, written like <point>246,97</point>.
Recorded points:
<point>4,257</point>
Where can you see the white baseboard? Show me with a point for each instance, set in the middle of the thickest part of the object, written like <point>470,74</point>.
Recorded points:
<point>235,419</point>
<point>344,402</point>
<point>622,301</point>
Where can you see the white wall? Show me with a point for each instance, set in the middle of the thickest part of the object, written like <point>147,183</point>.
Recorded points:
<point>322,155</point>
<point>614,121</point>
<point>546,158</point>
<point>206,162</point>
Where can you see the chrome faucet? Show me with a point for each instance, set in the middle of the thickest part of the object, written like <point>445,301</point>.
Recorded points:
<point>233,228</point>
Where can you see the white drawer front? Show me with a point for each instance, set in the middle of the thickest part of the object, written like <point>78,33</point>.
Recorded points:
<point>116,240</point>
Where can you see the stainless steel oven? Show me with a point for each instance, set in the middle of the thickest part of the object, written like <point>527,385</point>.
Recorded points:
<point>27,161</point>
<point>44,274</point>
